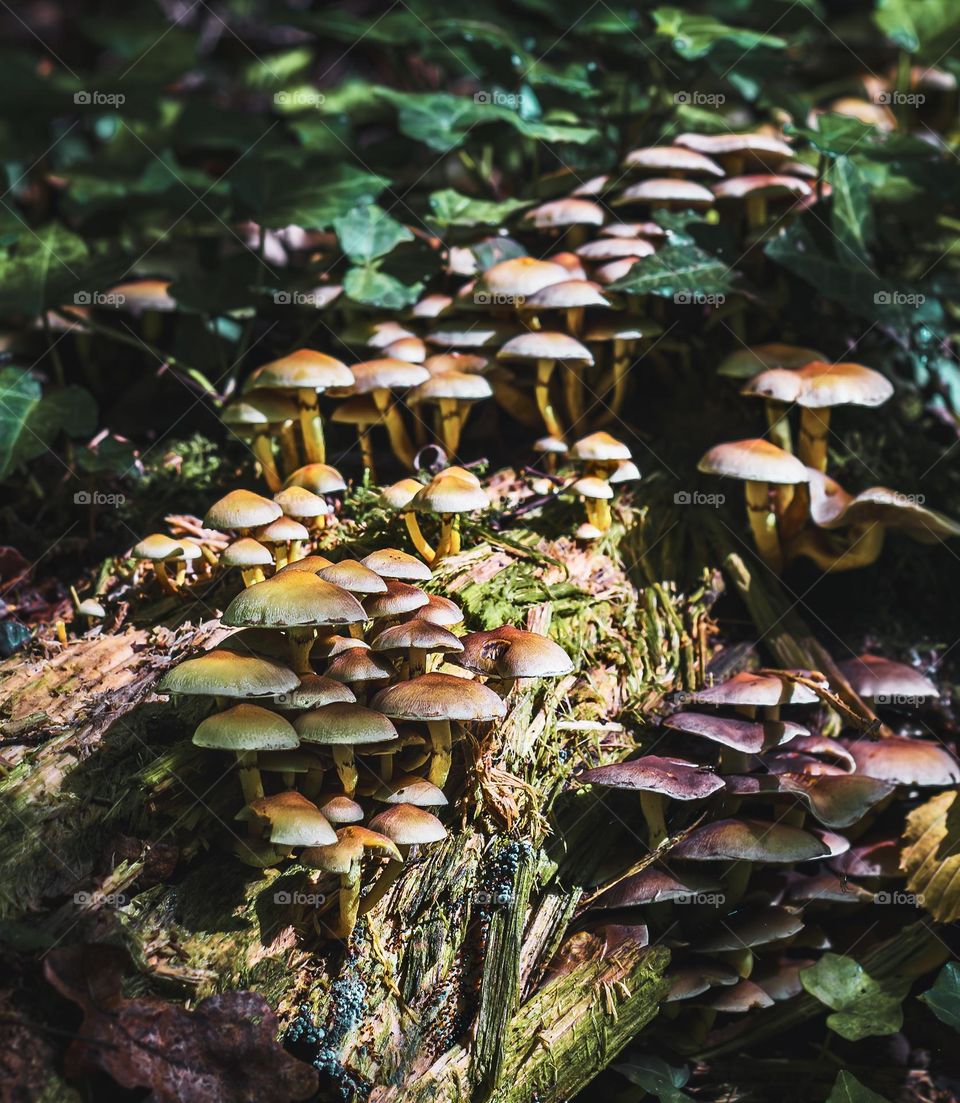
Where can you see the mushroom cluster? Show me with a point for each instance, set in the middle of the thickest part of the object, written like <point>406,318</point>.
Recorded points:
<point>345,687</point>
<point>756,825</point>
<point>793,506</point>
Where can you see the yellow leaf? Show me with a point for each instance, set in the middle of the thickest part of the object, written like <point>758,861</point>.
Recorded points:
<point>931,856</point>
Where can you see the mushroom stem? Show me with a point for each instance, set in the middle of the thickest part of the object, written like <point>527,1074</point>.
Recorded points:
<point>416,662</point>
<point>160,570</point>
<point>252,575</point>
<point>575,320</point>
<point>544,373</point>
<point>602,517</point>
<point>181,575</point>
<point>251,783</point>
<point>442,744</point>
<point>366,450</point>
<point>419,540</point>
<point>346,767</point>
<point>393,420</point>
<point>450,425</point>
<point>814,428</point>
<point>738,877</point>
<point>313,781</point>
<point>385,882</point>
<point>289,452</point>
<point>263,451</point>
<point>652,806</point>
<point>573,393</point>
<point>621,367</point>
<point>763,525</point>
<point>349,900</point>
<point>311,426</point>
<point>300,641</point>
<point>779,422</point>
<point>756,211</point>
<point>296,551</point>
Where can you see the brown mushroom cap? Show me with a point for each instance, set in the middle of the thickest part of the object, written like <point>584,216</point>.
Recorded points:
<point>292,600</point>
<point>241,509</point>
<point>750,840</point>
<point>246,727</point>
<point>320,478</point>
<point>439,697</point>
<point>339,809</point>
<point>392,563</point>
<point>422,635</point>
<point>311,564</point>
<point>408,825</point>
<point>651,886</point>
<point>565,212</point>
<point>755,460</point>
<point>751,927</point>
<point>768,148</point>
<point>873,676</point>
<point>614,248</point>
<point>344,724</point>
<point>665,190</point>
<point>870,858</point>
<point>671,159</point>
<point>399,598</point>
<point>567,295</point>
<point>904,761</point>
<point>245,552</point>
<point>411,789</point>
<point>599,447</point>
<point>439,610</point>
<point>748,362</point>
<point>771,185</point>
<point>388,373</point>
<point>695,976</point>
<point>742,735</point>
<point>521,276</point>
<point>354,577</point>
<point>304,369</point>
<point>740,998</point>
<point>542,345</point>
<point>674,777</point>
<point>358,664</point>
<point>290,820</point>
<point>313,691</point>
<point>459,386</point>
<point>836,801</point>
<point>343,855</point>
<point>509,652</point>
<point>223,673</point>
<point>756,690</point>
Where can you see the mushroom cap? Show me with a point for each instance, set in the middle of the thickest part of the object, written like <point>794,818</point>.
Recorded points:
<point>380,334</point>
<point>416,633</point>
<point>398,598</point>
<point>478,333</point>
<point>542,345</point>
<point>298,501</point>
<point>870,858</point>
<point>189,550</point>
<point>509,652</point>
<point>747,362</point>
<point>310,564</point>
<point>412,349</point>
<point>521,276</point>
<point>719,145</point>
<point>620,327</point>
<point>282,531</point>
<point>880,505</point>
<point>651,886</point>
<point>359,664</point>
<point>740,998</point>
<point>754,460</point>
<point>261,408</point>
<point>570,261</point>
<point>674,777</point>
<point>696,976</point>
<point>748,736</point>
<point>157,546</point>
<point>592,486</point>
<point>246,727</point>
<point>291,819</point>
<point>241,509</point>
<point>665,189</point>
<point>873,676</point>
<point>339,809</point>
<point>408,825</point>
<point>344,725</point>
<point>304,369</point>
<point>257,641</point>
<point>463,362</point>
<point>222,673</point>
<point>818,385</point>
<point>448,493</point>
<point>431,306</point>
<point>90,607</point>
<point>761,183</point>
<point>671,159</point>
<point>411,789</point>
<point>340,857</point>
<point>439,610</point>
<point>567,295</point>
<point>626,471</point>
<point>293,600</point>
<point>586,531</point>
<point>565,212</point>
<point>634,229</point>
<point>751,927</point>
<point>600,447</point>
<point>388,373</point>
<point>320,478</point>
<point>351,575</point>
<point>756,690</point>
<point>246,552</point>
<point>835,800</point>
<point>905,761</point>
<point>461,386</point>
<point>750,840</point>
<point>326,647</point>
<point>552,445</point>
<point>313,691</point>
<point>615,248</point>
<point>392,563</point>
<point>819,746</point>
<point>360,411</point>
<point>400,494</point>
<point>439,697</point>
<point>144,295</point>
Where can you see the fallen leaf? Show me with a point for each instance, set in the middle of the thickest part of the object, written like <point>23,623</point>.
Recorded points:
<point>931,856</point>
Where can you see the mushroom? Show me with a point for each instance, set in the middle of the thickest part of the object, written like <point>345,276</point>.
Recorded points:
<point>757,190</point>
<point>573,297</point>
<point>595,493</point>
<point>240,511</point>
<point>759,464</point>
<point>672,161</point>
<point>380,379</point>
<point>623,332</point>
<point>737,152</point>
<point>362,413</point>
<point>287,820</point>
<point>249,556</point>
<point>905,761</point>
<point>438,699</point>
<point>221,673</point>
<point>307,373</point>
<point>654,778</point>
<point>449,494</point>
<point>158,549</point>
<point>419,639</point>
<point>411,789</point>
<point>509,653</point>
<point>745,736</point>
<point>407,826</point>
<point>340,809</point>
<point>511,282</point>
<point>546,350</point>
<point>571,215</point>
<point>344,858</point>
<point>454,393</point>
<point>320,478</point>
<point>286,536</point>
<point>835,800</point>
<point>352,576</point>
<point>260,416</point>
<point>881,680</point>
<point>343,727</point>
<point>665,193</point>
<point>395,564</point>
<point>360,669</point>
<point>301,504</point>
<point>550,448</point>
<point>748,362</point>
<point>439,610</point>
<point>412,349</point>
<point>398,599</point>
<point>399,497</point>
<point>653,885</point>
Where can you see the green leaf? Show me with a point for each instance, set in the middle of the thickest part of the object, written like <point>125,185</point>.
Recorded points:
<point>40,270</point>
<point>851,216</point>
<point>943,998</point>
<point>30,421</point>
<point>656,1077</point>
<point>927,27</point>
<point>693,36</point>
<point>848,1089</point>
<point>450,208</point>
<point>293,190</point>
<point>862,1006</point>
<point>374,288</point>
<point>368,233</point>
<point>677,269</point>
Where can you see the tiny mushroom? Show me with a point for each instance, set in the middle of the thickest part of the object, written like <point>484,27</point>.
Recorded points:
<point>342,727</point>
<point>546,350</point>
<point>344,858</point>
<point>246,729</point>
<point>158,550</point>
<point>249,556</point>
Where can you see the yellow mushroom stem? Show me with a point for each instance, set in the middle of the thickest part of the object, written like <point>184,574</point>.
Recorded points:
<point>442,746</point>
<point>296,551</point>
<point>756,211</point>
<point>451,422</point>
<point>396,430</point>
<point>313,781</point>
<point>575,320</point>
<point>311,425</point>
<point>792,517</point>
<point>346,765</point>
<point>209,555</point>
<point>573,392</point>
<point>349,902</point>
<point>385,882</point>
<point>763,525</point>
<point>252,575</point>
<point>160,570</point>
<point>622,351</point>
<point>181,575</point>
<point>862,547</point>
<point>366,450</point>
<point>280,555</point>
<point>251,783</point>
<point>814,429</point>
<point>544,374</point>
<point>602,516</point>
<point>263,451</point>
<point>652,807</point>
<point>289,450</point>
<point>736,881</point>
<point>419,540</point>
<point>386,767</point>
<point>779,422</point>
<point>300,642</point>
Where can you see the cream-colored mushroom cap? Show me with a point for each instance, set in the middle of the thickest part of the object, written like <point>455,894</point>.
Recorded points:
<point>304,369</point>
<point>399,598</point>
<point>665,190</point>
<point>246,552</point>
<point>310,564</point>
<point>614,248</point>
<point>600,447</point>
<point>241,509</point>
<point>400,494</point>
<point>545,346</point>
<point>768,184</point>
<point>321,478</point>
<point>393,563</point>
<point>260,408</point>
<point>521,276</point>
<point>408,825</point>
<point>411,789</point>
<point>419,634</point>
<point>447,493</point>
<point>282,531</point>
<point>387,374</point>
<point>313,691</point>
<point>719,145</point>
<point>246,727</point>
<point>222,673</point>
<point>291,600</point>
<point>340,809</point>
<point>143,295</point>
<point>460,386</point>
<point>342,724</point>
<point>818,384</point>
<point>755,460</point>
<point>439,610</point>
<point>298,502</point>
<point>590,486</point>
<point>439,697</point>
<point>359,664</point>
<point>565,212</point>
<point>157,546</point>
<point>290,819</point>
<point>671,159</point>
<point>567,295</point>
<point>353,576</point>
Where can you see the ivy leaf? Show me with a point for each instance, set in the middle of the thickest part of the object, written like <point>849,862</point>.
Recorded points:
<point>41,269</point>
<point>851,216</point>
<point>30,421</point>
<point>656,1077</point>
<point>693,35</point>
<point>848,1089</point>
<point>289,190</point>
<point>943,998</point>
<point>367,233</point>
<point>450,208</point>
<point>931,856</point>
<point>374,288</point>
<point>919,26</point>
<point>862,1006</point>
<point>677,269</point>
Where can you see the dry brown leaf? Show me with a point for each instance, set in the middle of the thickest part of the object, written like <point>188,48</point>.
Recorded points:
<point>931,856</point>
